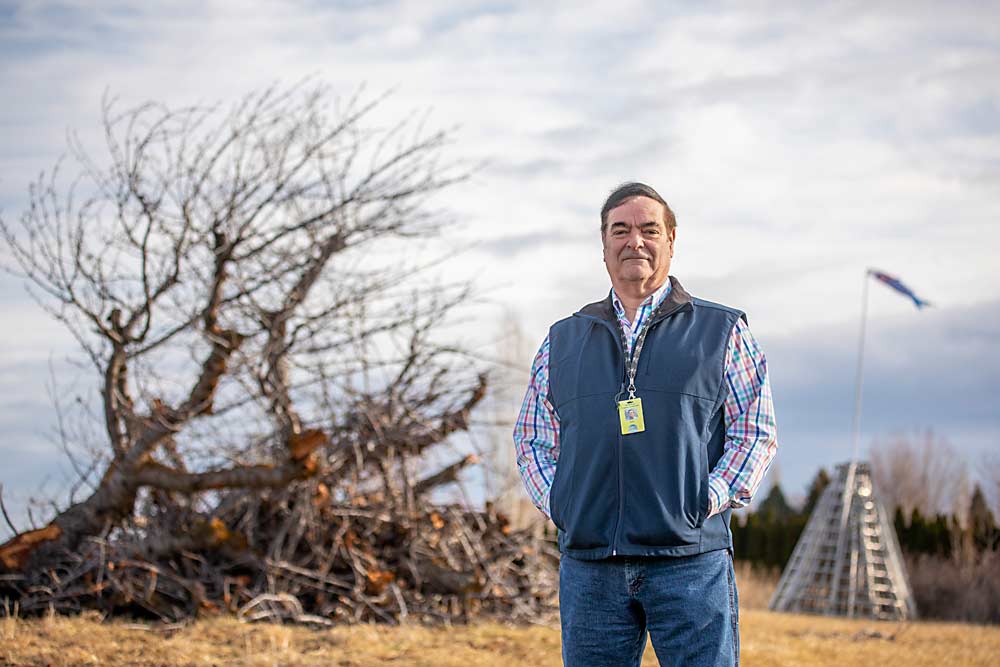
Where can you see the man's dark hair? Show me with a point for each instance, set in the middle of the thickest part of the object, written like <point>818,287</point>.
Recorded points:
<point>627,191</point>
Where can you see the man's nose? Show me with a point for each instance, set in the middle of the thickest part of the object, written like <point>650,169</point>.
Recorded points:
<point>635,240</point>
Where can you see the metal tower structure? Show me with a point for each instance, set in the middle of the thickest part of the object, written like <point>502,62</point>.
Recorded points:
<point>847,561</point>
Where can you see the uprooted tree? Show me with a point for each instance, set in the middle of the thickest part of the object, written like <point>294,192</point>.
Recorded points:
<point>272,374</point>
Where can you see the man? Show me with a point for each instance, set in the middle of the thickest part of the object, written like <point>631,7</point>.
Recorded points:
<point>647,418</point>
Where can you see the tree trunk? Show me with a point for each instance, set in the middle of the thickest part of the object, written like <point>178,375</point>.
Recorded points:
<point>107,506</point>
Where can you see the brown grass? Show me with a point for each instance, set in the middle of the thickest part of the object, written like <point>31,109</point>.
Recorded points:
<point>767,639</point>
<point>755,585</point>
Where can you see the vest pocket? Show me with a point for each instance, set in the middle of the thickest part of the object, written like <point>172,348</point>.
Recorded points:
<point>703,489</point>
<point>555,504</point>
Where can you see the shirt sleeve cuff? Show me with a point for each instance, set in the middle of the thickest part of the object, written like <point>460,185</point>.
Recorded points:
<point>718,495</point>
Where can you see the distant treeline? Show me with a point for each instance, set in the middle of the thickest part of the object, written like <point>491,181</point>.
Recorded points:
<point>767,536</point>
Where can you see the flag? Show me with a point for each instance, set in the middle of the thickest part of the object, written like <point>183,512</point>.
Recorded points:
<point>895,284</point>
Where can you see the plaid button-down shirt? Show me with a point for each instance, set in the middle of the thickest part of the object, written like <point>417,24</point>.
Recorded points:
<point>750,443</point>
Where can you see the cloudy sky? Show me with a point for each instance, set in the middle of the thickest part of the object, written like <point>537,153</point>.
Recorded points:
<point>798,145</point>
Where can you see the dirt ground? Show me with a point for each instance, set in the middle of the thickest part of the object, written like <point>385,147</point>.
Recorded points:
<point>767,639</point>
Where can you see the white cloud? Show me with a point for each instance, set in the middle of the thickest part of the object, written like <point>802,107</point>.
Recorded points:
<point>798,143</point>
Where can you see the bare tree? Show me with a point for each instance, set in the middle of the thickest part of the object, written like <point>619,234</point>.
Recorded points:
<point>922,472</point>
<point>227,276</point>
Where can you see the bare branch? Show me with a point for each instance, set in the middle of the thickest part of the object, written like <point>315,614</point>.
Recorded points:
<point>444,476</point>
<point>3,508</point>
<point>247,477</point>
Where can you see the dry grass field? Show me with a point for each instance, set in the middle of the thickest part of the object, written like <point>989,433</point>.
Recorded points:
<point>768,639</point>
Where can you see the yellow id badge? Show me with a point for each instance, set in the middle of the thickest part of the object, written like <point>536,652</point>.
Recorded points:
<point>630,413</point>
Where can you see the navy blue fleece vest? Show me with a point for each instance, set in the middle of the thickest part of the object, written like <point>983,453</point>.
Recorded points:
<point>642,494</point>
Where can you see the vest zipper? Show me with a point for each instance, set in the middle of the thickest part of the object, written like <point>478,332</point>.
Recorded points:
<point>621,498</point>
<point>621,464</point>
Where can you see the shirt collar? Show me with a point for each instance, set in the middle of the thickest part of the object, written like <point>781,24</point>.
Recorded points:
<point>652,300</point>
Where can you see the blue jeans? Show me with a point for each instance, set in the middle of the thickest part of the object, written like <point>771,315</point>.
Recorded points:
<point>688,604</point>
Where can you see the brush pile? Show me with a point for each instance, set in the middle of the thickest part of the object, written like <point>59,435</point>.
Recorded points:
<point>297,556</point>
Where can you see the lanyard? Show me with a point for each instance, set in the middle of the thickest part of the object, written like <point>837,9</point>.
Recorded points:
<point>632,364</point>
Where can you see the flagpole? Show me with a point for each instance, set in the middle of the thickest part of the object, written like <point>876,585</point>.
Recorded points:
<point>845,541</point>
<point>847,495</point>
<point>859,379</point>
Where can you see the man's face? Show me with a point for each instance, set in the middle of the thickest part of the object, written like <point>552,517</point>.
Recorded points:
<point>637,244</point>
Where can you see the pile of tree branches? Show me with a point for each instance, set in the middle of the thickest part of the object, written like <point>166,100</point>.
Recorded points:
<point>297,556</point>
<point>273,374</point>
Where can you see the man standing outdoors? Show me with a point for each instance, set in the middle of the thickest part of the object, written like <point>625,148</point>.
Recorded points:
<point>647,418</point>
